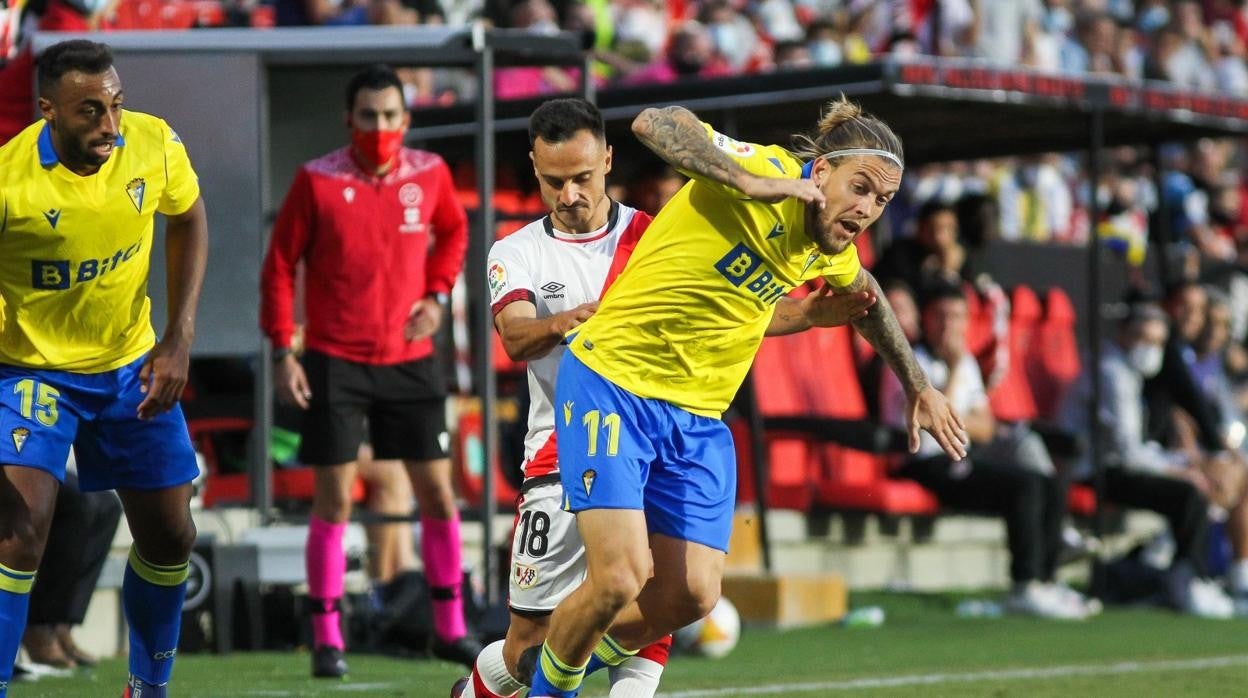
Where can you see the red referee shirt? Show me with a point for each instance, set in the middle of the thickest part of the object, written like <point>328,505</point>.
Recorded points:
<point>372,247</point>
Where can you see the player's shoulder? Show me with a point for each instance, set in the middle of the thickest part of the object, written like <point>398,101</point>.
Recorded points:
<point>334,165</point>
<point>632,219</point>
<point>779,156</point>
<point>525,240</point>
<point>20,147</point>
<point>414,161</point>
<point>137,124</point>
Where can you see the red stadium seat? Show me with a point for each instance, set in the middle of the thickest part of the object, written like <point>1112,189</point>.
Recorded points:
<point>1012,400</point>
<point>789,475</point>
<point>1054,363</point>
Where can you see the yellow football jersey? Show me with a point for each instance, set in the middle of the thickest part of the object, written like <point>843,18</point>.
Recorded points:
<point>685,318</point>
<point>75,251</point>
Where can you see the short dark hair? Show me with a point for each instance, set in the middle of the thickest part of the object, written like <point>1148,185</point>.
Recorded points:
<point>374,77</point>
<point>78,55</point>
<point>1139,313</point>
<point>942,291</point>
<point>934,206</point>
<point>559,119</point>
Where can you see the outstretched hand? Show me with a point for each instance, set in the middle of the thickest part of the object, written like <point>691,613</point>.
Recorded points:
<point>825,308</point>
<point>930,410</point>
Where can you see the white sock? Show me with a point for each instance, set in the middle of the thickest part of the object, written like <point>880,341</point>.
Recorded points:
<point>1238,576</point>
<point>635,678</point>
<point>493,672</point>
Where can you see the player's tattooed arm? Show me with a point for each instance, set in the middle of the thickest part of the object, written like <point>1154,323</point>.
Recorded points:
<point>927,409</point>
<point>676,135</point>
<point>881,329</point>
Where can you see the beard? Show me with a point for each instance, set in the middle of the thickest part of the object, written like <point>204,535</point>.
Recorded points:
<point>822,227</point>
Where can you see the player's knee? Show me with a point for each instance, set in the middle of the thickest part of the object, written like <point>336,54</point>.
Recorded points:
<point>181,540</point>
<point>21,546</point>
<point>620,583</point>
<point>694,599</point>
<point>22,539</point>
<point>332,507</point>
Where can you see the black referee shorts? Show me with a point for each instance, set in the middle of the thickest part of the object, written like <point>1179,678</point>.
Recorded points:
<point>403,405</point>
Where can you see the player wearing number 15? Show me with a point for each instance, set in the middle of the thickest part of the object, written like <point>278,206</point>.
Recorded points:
<point>79,361</point>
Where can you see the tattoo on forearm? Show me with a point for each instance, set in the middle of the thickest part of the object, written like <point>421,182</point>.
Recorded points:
<point>787,318</point>
<point>880,328</point>
<point>676,135</point>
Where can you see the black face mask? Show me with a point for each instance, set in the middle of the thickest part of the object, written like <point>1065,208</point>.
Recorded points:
<point>684,67</point>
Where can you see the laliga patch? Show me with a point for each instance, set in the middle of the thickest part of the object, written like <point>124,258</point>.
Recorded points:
<point>732,146</point>
<point>20,434</point>
<point>135,189</point>
<point>524,575</point>
<point>587,479</point>
<point>497,277</point>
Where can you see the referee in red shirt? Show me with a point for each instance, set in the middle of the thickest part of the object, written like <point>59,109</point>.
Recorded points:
<point>382,237</point>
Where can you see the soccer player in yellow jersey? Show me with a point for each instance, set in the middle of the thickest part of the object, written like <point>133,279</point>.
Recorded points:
<point>645,461</point>
<point>79,360</point>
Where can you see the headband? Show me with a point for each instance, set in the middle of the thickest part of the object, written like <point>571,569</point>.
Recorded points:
<point>866,151</point>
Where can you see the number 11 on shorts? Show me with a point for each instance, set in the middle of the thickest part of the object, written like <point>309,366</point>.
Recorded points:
<point>610,424</point>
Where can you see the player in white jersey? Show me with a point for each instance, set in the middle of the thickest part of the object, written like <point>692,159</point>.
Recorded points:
<point>545,279</point>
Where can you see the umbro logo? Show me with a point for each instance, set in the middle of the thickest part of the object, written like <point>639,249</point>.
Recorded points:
<point>53,215</point>
<point>776,232</point>
<point>552,290</point>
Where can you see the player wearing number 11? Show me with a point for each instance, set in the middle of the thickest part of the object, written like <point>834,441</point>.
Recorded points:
<point>646,463</point>
<point>79,360</point>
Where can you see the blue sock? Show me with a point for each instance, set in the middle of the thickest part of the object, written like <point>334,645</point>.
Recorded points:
<point>138,688</point>
<point>15,588</point>
<point>554,678</point>
<point>152,595</point>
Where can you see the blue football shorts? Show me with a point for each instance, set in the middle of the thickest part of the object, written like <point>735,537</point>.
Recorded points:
<point>43,413</point>
<point>621,451</point>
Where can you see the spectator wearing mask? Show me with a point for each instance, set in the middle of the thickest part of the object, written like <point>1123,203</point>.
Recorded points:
<point>1139,472</point>
<point>1032,504</point>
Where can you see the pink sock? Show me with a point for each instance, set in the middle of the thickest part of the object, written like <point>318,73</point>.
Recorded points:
<point>326,566</point>
<point>440,549</point>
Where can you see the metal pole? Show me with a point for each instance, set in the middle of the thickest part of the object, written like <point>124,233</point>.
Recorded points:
<point>758,452</point>
<point>1096,132</point>
<point>483,359</point>
<point>261,461</point>
<point>588,91</point>
<point>1162,234</point>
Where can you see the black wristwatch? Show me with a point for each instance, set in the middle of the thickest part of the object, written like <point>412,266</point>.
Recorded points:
<point>280,353</point>
<point>442,297</point>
